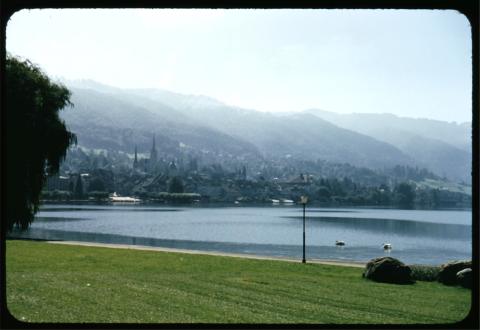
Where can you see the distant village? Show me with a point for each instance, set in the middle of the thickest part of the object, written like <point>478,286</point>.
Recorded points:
<point>183,178</point>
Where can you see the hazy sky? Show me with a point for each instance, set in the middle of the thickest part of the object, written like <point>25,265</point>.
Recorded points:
<point>414,63</point>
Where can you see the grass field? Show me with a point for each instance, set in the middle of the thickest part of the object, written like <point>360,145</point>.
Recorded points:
<point>58,283</point>
<point>450,186</point>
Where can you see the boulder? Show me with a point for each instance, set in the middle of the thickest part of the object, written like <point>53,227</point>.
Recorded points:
<point>388,270</point>
<point>448,272</point>
<point>464,278</point>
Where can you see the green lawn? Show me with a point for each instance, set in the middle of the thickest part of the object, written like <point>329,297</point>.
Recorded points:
<point>58,283</point>
<point>450,186</point>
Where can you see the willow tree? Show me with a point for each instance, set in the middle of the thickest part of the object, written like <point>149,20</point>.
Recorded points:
<point>35,141</point>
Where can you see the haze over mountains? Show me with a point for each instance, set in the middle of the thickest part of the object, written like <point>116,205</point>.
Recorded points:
<point>443,147</point>
<point>111,118</point>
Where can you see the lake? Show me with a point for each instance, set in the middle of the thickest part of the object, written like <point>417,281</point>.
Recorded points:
<point>417,236</point>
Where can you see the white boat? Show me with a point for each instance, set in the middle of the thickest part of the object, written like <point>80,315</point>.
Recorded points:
<point>122,199</point>
<point>275,201</point>
<point>287,201</point>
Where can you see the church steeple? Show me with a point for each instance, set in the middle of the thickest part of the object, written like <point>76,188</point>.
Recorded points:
<point>153,152</point>
<point>135,161</point>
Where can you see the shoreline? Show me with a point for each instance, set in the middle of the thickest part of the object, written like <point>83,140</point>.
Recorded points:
<point>210,253</point>
<point>45,202</point>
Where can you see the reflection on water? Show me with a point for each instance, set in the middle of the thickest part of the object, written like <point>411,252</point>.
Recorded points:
<point>425,237</point>
<point>135,209</point>
<point>55,219</point>
<point>331,211</point>
<point>408,228</point>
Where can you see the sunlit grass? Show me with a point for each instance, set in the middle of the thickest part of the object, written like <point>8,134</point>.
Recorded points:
<point>58,283</point>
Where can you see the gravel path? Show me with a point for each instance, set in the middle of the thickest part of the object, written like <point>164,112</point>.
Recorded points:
<point>224,254</point>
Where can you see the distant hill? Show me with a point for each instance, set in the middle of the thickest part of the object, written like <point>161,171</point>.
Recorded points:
<point>296,135</point>
<point>455,134</point>
<point>112,118</point>
<point>108,121</point>
<point>201,122</point>
<point>443,147</point>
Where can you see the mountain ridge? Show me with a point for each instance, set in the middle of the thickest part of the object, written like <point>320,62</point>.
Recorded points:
<point>203,122</point>
<point>444,147</point>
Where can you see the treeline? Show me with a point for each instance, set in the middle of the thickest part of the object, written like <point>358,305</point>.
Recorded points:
<point>94,175</point>
<point>404,194</point>
<point>324,191</point>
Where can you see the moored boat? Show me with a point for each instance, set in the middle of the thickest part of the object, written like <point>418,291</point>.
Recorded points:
<point>123,199</point>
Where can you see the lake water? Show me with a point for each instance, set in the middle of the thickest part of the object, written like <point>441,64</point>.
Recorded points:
<point>417,236</point>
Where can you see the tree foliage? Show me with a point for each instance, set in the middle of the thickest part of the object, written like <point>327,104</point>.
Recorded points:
<point>79,187</point>
<point>176,185</point>
<point>404,194</point>
<point>36,138</point>
<point>96,185</point>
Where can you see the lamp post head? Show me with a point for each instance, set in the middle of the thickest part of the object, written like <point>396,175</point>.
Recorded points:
<point>303,199</point>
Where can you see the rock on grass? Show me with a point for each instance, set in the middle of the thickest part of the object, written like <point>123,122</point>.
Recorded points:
<point>464,278</point>
<point>448,271</point>
<point>388,270</point>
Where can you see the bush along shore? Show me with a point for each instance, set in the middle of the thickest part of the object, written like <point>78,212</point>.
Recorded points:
<point>68,283</point>
<point>391,270</point>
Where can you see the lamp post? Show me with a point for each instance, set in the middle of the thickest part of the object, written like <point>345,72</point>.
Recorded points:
<point>303,201</point>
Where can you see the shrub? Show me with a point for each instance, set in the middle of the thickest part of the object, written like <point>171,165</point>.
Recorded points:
<point>425,272</point>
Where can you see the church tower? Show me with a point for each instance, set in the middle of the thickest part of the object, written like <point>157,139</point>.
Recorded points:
<point>135,161</point>
<point>152,162</point>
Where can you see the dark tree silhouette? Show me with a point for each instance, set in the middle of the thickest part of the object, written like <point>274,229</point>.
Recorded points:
<point>96,185</point>
<point>404,194</point>
<point>176,185</point>
<point>79,187</point>
<point>36,139</point>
